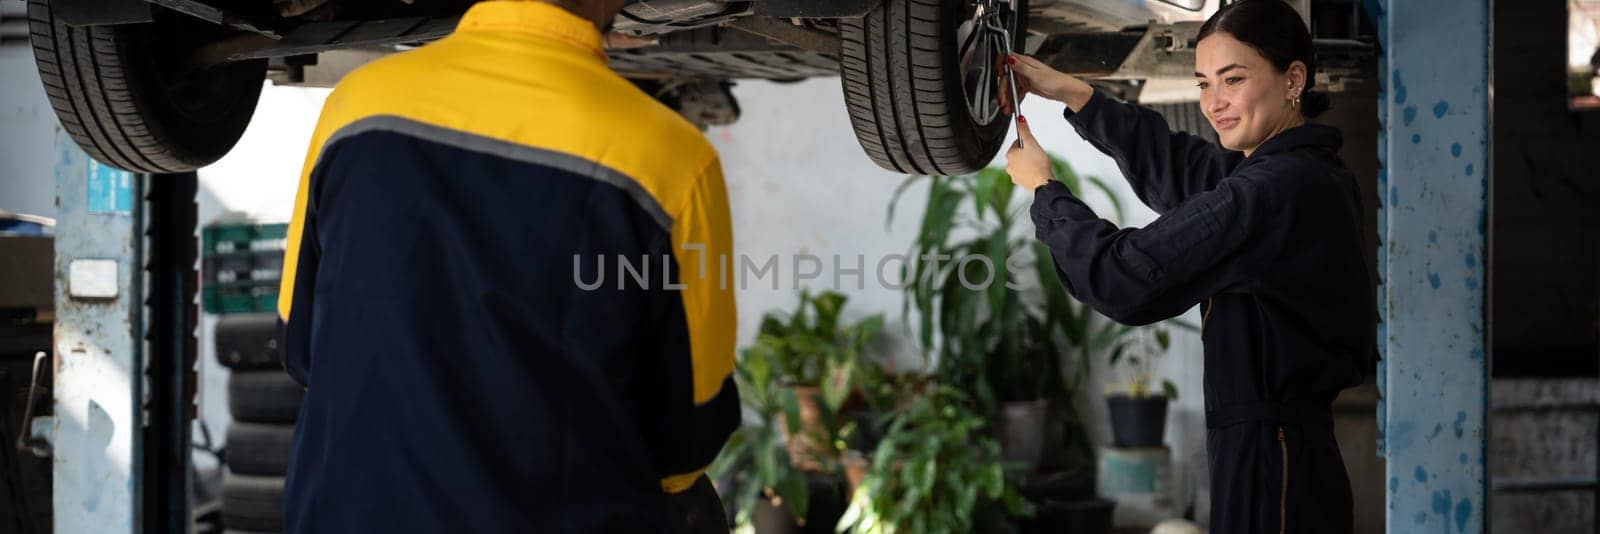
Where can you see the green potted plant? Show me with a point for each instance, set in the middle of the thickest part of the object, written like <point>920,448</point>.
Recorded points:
<point>817,360</point>
<point>1000,340</point>
<point>936,470</point>
<point>1138,412</point>
<point>802,370</point>
<point>766,486</point>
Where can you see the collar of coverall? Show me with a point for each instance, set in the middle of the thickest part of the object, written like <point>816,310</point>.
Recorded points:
<point>535,18</point>
<point>1300,136</point>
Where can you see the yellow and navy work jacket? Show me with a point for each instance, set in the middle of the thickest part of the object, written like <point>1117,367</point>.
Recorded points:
<point>501,290</point>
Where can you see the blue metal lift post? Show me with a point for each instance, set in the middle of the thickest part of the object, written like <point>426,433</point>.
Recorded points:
<point>1434,149</point>
<point>124,348</point>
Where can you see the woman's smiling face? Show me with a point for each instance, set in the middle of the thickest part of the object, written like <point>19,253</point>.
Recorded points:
<point>1245,98</point>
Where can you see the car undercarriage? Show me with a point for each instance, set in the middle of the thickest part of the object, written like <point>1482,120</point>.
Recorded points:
<point>169,85</point>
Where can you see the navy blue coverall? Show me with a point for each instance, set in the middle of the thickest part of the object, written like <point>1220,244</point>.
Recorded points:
<point>1270,247</point>
<point>500,291</point>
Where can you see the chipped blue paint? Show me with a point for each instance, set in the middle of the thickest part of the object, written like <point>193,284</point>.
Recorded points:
<point>99,345</point>
<point>1421,475</point>
<point>1400,437</point>
<point>1463,513</point>
<point>1427,239</point>
<point>1394,483</point>
<point>1441,502</point>
<point>1399,89</point>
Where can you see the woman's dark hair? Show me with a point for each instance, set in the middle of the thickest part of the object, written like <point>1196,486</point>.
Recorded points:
<point>1276,31</point>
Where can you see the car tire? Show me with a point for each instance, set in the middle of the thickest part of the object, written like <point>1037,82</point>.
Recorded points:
<point>116,93</point>
<point>903,85</point>
<point>257,449</point>
<point>252,503</point>
<point>264,397</point>
<point>247,341</point>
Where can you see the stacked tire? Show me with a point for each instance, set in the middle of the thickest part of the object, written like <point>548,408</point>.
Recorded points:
<point>264,403</point>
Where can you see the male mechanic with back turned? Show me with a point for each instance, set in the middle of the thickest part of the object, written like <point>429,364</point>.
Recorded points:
<point>458,377</point>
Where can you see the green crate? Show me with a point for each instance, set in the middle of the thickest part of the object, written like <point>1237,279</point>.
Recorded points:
<point>229,267</point>
<point>240,297</point>
<point>224,238</point>
<point>272,231</point>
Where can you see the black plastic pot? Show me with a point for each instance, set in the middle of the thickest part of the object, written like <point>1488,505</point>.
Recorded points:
<point>1137,421</point>
<point>1087,516</point>
<point>1062,486</point>
<point>827,504</point>
<point>870,428</point>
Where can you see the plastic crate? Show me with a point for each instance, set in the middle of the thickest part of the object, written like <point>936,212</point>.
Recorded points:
<point>227,238</point>
<point>227,267</point>
<point>252,296</point>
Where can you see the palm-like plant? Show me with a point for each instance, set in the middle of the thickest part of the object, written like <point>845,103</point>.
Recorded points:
<point>1001,340</point>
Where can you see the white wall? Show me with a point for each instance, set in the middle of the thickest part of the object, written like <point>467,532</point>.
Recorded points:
<point>27,136</point>
<point>258,178</point>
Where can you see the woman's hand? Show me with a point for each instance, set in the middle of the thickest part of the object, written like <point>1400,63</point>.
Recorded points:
<point>1033,76</point>
<point>1027,162</point>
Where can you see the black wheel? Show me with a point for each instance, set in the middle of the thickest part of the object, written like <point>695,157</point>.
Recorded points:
<point>264,397</point>
<point>1186,117</point>
<point>248,341</point>
<point>253,504</point>
<point>257,449</point>
<point>922,85</point>
<point>123,92</point>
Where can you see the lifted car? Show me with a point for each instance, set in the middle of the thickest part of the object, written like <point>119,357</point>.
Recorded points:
<point>162,86</point>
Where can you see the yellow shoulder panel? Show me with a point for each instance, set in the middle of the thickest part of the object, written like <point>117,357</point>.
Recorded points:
<point>521,88</point>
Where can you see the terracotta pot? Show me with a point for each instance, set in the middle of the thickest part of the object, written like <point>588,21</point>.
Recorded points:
<point>855,470</point>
